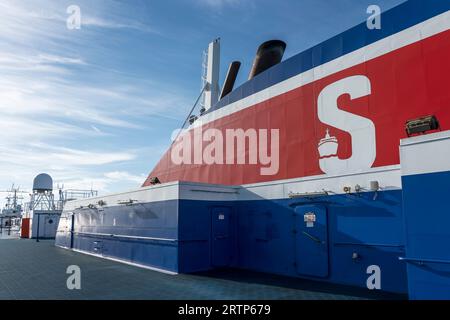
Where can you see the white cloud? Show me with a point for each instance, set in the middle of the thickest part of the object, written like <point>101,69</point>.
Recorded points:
<point>125,176</point>
<point>15,61</point>
<point>219,3</point>
<point>76,169</point>
<point>102,183</point>
<point>47,14</point>
<point>87,21</point>
<point>88,158</point>
<point>61,112</point>
<point>41,156</point>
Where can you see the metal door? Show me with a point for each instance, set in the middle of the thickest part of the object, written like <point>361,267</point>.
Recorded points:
<point>221,246</point>
<point>62,233</point>
<point>311,241</point>
<point>50,226</point>
<point>71,229</point>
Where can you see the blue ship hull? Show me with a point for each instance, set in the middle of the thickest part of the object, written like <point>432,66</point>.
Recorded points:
<point>184,236</point>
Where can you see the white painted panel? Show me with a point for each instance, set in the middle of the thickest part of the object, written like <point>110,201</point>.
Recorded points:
<point>388,178</point>
<point>208,192</point>
<point>163,192</point>
<point>425,154</point>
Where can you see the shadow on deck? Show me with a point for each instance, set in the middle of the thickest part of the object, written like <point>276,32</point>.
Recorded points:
<point>31,270</point>
<point>308,288</point>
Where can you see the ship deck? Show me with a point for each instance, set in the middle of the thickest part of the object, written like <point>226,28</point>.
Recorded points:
<point>37,270</point>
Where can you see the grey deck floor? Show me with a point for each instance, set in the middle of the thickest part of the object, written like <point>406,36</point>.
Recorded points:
<point>30,270</point>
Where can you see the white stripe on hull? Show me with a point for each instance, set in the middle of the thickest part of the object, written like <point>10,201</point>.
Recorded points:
<point>388,178</point>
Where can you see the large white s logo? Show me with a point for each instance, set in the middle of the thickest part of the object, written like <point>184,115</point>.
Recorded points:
<point>362,130</point>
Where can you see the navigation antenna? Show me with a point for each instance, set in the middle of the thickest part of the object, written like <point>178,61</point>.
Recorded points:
<point>210,75</point>
<point>204,79</point>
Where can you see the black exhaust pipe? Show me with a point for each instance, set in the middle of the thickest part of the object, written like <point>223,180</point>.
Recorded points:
<point>269,54</point>
<point>230,78</point>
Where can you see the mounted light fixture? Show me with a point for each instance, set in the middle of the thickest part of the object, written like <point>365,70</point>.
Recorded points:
<point>192,119</point>
<point>421,125</point>
<point>374,185</point>
<point>126,202</point>
<point>154,180</point>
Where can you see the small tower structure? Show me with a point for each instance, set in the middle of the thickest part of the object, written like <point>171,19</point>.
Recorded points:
<point>44,210</point>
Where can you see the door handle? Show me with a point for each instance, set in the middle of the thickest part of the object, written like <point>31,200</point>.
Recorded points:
<point>315,239</point>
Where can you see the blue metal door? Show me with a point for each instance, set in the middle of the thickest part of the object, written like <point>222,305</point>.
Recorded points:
<point>311,239</point>
<point>221,251</point>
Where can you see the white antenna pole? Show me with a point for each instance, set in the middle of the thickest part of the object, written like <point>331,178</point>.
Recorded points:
<point>212,74</point>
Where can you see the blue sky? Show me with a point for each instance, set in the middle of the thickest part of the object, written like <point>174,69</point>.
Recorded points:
<point>96,106</point>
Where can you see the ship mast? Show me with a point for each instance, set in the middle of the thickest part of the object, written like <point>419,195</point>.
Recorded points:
<point>13,200</point>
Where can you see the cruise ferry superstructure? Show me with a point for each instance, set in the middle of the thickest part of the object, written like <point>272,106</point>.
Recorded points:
<point>344,134</point>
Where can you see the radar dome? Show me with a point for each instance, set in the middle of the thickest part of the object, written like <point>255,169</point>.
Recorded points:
<point>43,182</point>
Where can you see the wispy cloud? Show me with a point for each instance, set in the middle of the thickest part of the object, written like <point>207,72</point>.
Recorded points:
<point>41,155</point>
<point>219,3</point>
<point>63,108</point>
<point>125,176</point>
<point>67,165</point>
<point>15,61</point>
<point>87,21</point>
<point>103,182</point>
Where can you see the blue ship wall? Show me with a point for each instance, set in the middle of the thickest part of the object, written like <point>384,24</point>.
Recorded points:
<point>426,183</point>
<point>269,233</point>
<point>265,235</point>
<point>428,235</point>
<point>150,230</point>
<point>194,236</point>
